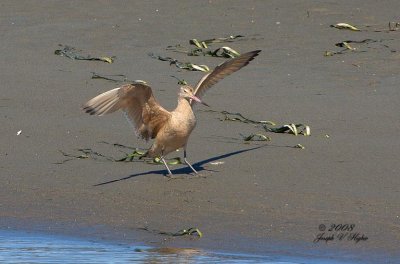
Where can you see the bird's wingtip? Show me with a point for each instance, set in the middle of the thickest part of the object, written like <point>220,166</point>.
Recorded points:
<point>252,54</point>
<point>88,109</point>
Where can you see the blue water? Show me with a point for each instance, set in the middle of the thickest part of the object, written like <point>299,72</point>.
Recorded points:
<point>26,247</point>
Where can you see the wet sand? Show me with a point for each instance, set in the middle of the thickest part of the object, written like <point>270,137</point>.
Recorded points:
<point>262,194</point>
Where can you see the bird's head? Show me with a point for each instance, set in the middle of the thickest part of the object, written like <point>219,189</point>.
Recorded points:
<point>187,92</point>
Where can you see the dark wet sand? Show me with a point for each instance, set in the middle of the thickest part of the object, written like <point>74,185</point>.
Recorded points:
<point>259,196</point>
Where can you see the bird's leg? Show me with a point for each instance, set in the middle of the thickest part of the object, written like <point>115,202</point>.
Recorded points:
<point>169,171</point>
<point>187,162</point>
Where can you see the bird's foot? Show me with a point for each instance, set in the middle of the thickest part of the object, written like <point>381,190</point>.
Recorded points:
<point>173,177</point>
<point>186,176</point>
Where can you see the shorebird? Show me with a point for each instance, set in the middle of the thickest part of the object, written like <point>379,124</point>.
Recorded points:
<point>169,129</point>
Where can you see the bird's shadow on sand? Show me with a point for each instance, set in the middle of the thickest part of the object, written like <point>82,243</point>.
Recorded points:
<point>185,170</point>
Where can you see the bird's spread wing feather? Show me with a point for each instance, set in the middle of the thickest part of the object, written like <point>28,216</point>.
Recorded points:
<point>223,70</point>
<point>139,105</point>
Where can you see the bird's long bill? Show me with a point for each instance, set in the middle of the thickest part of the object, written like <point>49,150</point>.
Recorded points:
<point>198,100</point>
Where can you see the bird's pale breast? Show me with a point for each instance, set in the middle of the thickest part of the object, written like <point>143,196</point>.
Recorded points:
<point>176,133</point>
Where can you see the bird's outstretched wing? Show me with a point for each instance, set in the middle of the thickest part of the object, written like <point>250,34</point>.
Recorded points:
<point>223,70</point>
<point>137,101</point>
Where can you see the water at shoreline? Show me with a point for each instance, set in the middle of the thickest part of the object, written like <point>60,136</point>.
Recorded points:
<point>30,247</point>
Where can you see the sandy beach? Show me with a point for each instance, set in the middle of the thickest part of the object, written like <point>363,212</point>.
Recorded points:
<point>251,197</point>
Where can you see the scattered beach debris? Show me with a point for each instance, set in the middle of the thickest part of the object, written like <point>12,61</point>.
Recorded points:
<point>225,52</point>
<point>110,77</point>
<point>86,154</point>
<point>173,161</point>
<point>19,132</point>
<point>183,232</point>
<point>222,52</point>
<point>72,53</point>
<point>204,43</point>
<point>294,129</point>
<point>180,81</point>
<point>135,156</point>
<point>199,44</point>
<point>255,137</point>
<point>345,26</point>
<point>228,116</point>
<point>216,163</point>
<point>299,146</point>
<point>129,157</point>
<point>117,78</point>
<point>345,44</point>
<point>291,129</point>
<point>201,49</point>
<point>365,41</point>
<point>71,157</point>
<point>360,44</point>
<point>191,231</point>
<point>394,26</point>
<point>181,65</point>
<point>118,145</point>
<point>342,44</point>
<point>268,126</point>
<point>329,53</point>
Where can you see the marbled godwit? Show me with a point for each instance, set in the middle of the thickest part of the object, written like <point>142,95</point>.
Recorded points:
<point>171,130</point>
